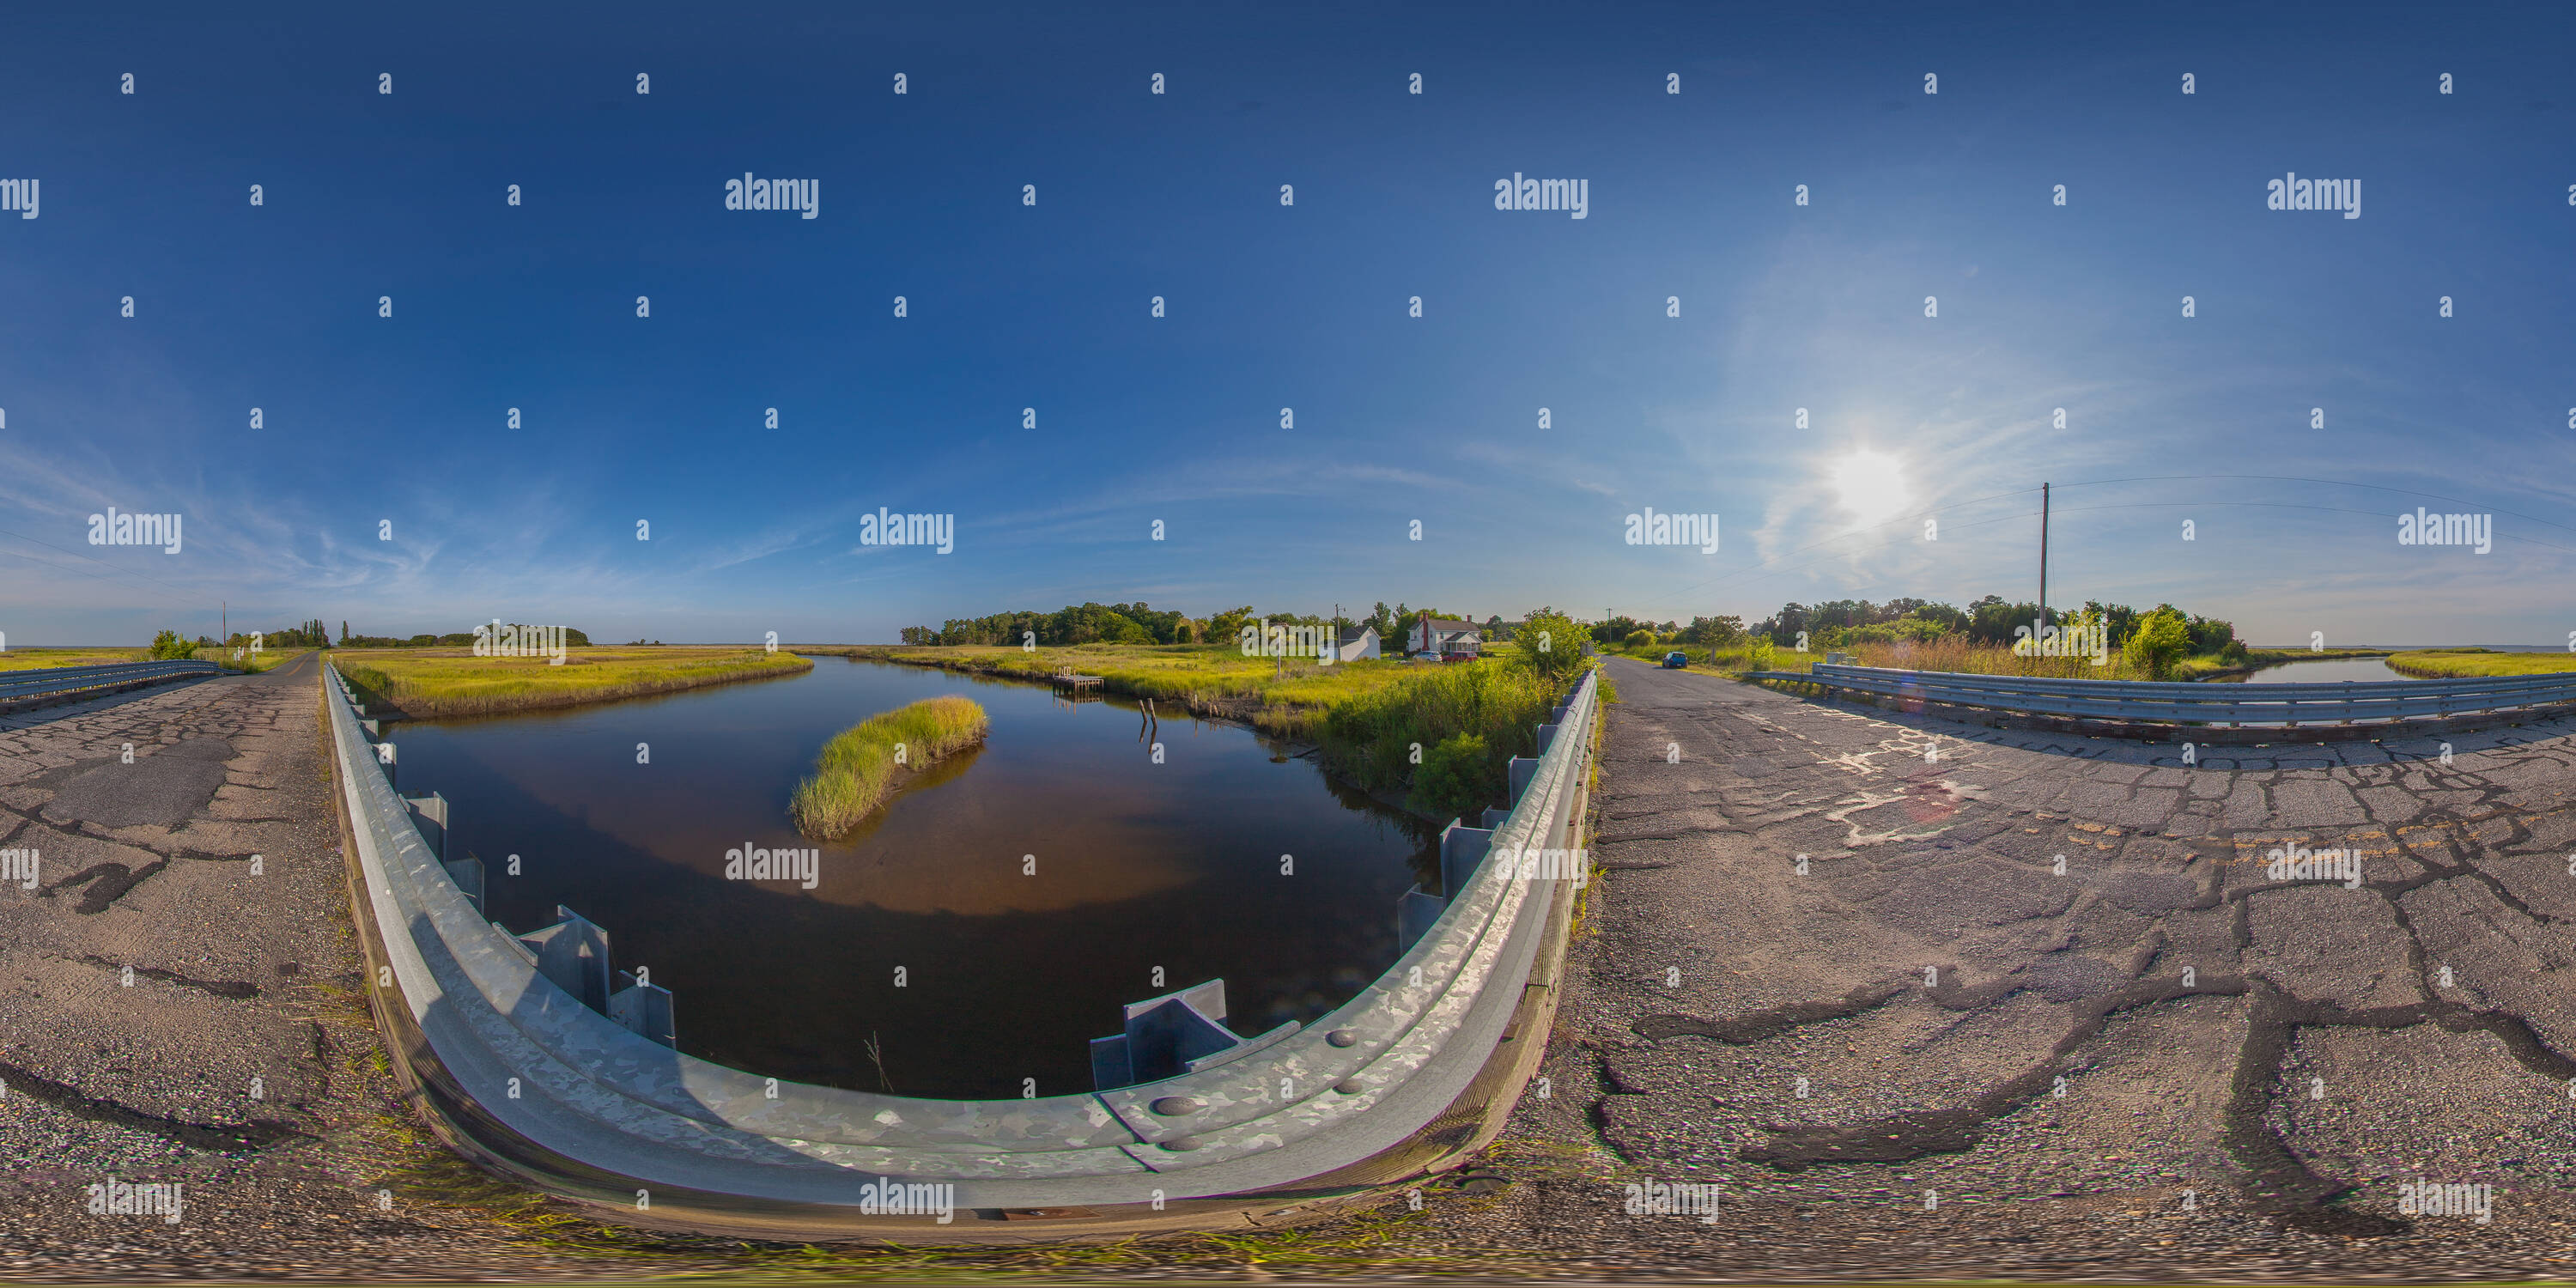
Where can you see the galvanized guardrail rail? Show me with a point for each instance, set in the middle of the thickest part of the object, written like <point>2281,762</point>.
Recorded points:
<point>2233,705</point>
<point>60,681</point>
<point>524,1055</point>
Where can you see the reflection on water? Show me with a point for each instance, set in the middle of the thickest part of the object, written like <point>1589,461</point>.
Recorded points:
<point>1026,890</point>
<point>2324,671</point>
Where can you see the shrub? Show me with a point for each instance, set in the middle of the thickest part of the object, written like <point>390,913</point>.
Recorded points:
<point>1371,737</point>
<point>1641,639</point>
<point>168,647</point>
<point>1457,777</point>
<point>2160,639</point>
<point>1551,644</point>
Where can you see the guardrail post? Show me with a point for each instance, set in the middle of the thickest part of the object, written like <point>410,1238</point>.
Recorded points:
<point>429,814</point>
<point>1523,769</point>
<point>1461,849</point>
<point>1414,914</point>
<point>574,954</point>
<point>644,1009</point>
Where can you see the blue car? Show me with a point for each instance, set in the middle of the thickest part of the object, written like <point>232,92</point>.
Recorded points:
<point>1675,661</point>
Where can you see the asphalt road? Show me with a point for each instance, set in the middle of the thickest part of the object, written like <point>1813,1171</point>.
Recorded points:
<point>1861,1061</point>
<point>180,1003</point>
<point>1837,970</point>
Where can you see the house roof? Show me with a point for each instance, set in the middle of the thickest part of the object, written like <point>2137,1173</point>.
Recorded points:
<point>1449,627</point>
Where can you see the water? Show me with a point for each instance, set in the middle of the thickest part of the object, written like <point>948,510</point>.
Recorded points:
<point>1007,975</point>
<point>2324,671</point>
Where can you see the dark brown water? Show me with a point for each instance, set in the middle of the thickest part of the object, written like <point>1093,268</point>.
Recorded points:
<point>1007,975</point>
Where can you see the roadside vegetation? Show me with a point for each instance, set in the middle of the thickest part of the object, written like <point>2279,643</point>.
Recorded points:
<point>1281,696</point>
<point>454,682</point>
<point>249,663</point>
<point>2445,663</point>
<point>864,762</point>
<point>2162,643</point>
<point>1436,735</point>
<point>31,659</point>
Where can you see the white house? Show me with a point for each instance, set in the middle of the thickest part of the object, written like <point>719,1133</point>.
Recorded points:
<point>1360,644</point>
<point>1444,638</point>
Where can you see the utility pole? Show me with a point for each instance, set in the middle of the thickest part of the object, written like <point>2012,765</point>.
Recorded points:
<point>227,620</point>
<point>2043,556</point>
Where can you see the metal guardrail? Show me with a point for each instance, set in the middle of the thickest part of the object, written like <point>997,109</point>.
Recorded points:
<point>53,681</point>
<point>1359,1081</point>
<point>2291,705</point>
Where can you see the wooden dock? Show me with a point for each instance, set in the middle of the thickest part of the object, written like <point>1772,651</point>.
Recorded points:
<point>1066,679</point>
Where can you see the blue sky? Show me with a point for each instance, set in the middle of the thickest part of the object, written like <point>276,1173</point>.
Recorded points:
<point>1949,195</point>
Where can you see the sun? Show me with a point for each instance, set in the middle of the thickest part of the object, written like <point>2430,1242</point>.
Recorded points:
<point>1871,486</point>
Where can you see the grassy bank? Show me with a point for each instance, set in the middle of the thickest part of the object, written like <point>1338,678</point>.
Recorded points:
<point>1468,719</point>
<point>1203,679</point>
<point>2446,663</point>
<point>859,766</point>
<point>31,659</point>
<point>452,681</point>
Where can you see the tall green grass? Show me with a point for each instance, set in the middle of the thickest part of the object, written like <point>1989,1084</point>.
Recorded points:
<point>453,682</point>
<point>857,767</point>
<point>1468,719</point>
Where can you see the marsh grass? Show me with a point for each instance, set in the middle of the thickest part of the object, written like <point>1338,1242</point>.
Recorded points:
<point>1494,707</point>
<point>1279,698</point>
<point>454,682</point>
<point>2438,664</point>
<point>857,767</point>
<point>30,659</point>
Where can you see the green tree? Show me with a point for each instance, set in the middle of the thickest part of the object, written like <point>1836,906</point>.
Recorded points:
<point>2160,639</point>
<point>1551,644</point>
<point>168,647</point>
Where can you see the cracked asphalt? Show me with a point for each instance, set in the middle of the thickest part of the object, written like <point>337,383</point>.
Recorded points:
<point>1925,997</point>
<point>1934,1051</point>
<point>237,1059</point>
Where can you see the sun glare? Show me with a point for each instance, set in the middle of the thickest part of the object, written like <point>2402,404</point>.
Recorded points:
<point>1871,486</point>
